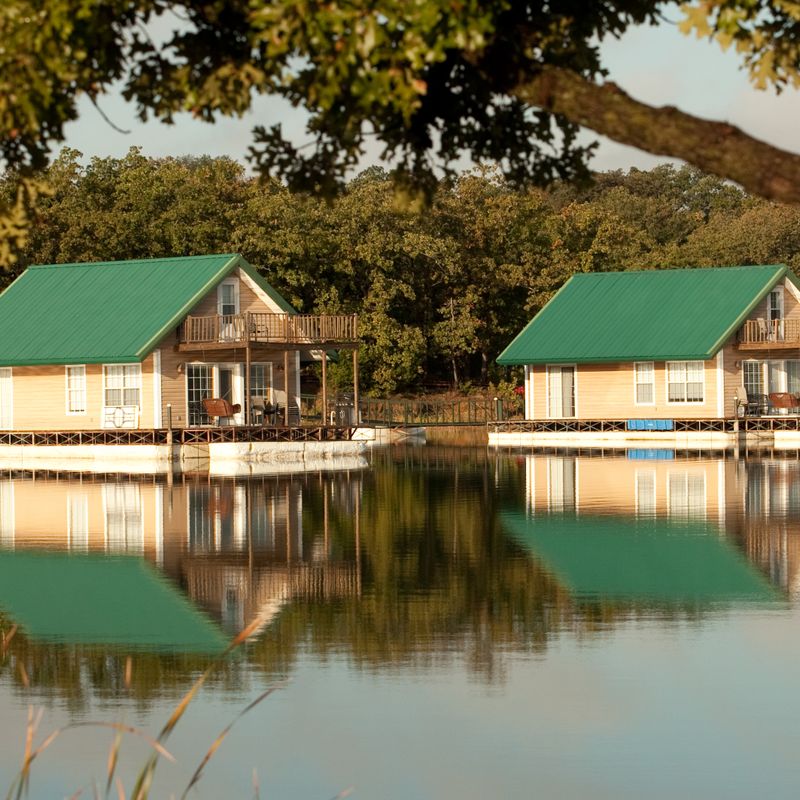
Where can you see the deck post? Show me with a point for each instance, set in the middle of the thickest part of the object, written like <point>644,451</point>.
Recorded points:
<point>324,388</point>
<point>247,358</point>
<point>286,385</point>
<point>357,417</point>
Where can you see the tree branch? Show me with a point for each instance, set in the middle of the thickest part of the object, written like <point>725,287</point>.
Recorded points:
<point>716,147</point>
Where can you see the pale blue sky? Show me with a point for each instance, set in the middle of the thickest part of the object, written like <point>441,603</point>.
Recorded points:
<point>656,65</point>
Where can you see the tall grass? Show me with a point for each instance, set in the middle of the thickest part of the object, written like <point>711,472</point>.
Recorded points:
<point>144,781</point>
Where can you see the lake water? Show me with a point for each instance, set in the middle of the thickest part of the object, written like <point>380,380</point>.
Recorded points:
<point>446,623</point>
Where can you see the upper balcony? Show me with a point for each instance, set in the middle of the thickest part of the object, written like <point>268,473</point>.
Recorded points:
<point>769,334</point>
<point>285,331</point>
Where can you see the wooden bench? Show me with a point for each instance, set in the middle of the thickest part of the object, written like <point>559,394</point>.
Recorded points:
<point>219,408</point>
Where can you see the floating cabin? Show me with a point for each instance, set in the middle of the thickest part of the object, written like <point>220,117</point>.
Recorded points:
<point>687,356</point>
<point>141,344</point>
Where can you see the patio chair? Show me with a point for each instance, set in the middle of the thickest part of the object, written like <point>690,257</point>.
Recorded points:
<point>258,406</point>
<point>756,405</point>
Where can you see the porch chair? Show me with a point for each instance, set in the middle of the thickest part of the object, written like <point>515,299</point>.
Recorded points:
<point>756,405</point>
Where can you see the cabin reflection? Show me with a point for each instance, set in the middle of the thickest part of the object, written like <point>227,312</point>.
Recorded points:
<point>755,501</point>
<point>240,549</point>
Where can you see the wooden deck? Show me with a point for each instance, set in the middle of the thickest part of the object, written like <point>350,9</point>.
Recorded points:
<point>776,334</point>
<point>164,436</point>
<point>727,425</point>
<point>280,330</point>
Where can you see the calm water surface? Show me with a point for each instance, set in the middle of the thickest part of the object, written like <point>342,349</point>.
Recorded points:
<point>446,623</point>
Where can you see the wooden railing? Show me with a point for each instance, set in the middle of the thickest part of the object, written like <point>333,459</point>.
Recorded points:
<point>281,328</point>
<point>770,332</point>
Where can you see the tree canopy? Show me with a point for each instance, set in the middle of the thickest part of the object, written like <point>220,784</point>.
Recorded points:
<point>439,294</point>
<point>507,82</point>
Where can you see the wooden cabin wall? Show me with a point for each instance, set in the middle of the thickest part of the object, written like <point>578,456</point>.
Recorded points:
<point>173,372</point>
<point>40,398</point>
<point>606,391</point>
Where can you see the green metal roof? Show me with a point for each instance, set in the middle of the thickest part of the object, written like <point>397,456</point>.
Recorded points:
<point>90,599</point>
<point>653,315</point>
<point>651,560</point>
<point>107,311</point>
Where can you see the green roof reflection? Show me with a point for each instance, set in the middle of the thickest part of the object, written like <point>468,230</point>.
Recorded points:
<point>91,599</point>
<point>623,558</point>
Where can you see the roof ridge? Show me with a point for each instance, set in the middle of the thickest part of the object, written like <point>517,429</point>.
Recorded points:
<point>132,261</point>
<point>721,268</point>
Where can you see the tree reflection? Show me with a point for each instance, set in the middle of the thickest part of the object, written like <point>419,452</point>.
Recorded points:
<point>407,565</point>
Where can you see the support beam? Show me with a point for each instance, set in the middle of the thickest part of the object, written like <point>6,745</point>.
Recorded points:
<point>357,420</point>
<point>324,388</point>
<point>286,386</point>
<point>247,409</point>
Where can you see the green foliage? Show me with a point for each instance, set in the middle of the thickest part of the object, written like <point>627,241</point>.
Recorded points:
<point>439,294</point>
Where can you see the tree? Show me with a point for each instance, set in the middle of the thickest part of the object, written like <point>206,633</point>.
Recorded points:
<point>499,81</point>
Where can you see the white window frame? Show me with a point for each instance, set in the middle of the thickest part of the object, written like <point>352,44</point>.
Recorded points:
<point>130,412</point>
<point>547,369</point>
<point>685,383</point>
<point>637,382</point>
<point>236,295</point>
<point>237,387</point>
<point>81,389</point>
<point>777,291</point>
<point>270,382</point>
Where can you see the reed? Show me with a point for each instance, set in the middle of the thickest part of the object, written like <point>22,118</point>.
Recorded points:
<point>141,790</point>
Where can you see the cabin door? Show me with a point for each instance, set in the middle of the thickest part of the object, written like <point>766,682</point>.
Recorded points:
<point>230,386</point>
<point>6,399</point>
<point>560,392</point>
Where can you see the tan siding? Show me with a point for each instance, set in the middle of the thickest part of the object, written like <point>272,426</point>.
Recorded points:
<point>39,393</point>
<point>40,398</point>
<point>605,391</point>
<point>734,377</point>
<point>173,382</point>
<point>249,300</point>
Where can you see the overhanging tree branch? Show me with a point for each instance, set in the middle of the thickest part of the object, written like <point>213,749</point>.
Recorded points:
<point>716,147</point>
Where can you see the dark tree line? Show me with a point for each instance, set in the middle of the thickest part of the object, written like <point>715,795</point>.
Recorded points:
<point>441,292</point>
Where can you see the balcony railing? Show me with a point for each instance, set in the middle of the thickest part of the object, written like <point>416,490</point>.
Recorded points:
<point>770,333</point>
<point>300,329</point>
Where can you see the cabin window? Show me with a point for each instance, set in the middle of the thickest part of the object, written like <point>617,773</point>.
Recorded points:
<point>199,386</point>
<point>261,382</point>
<point>685,382</point>
<point>753,378</point>
<point>776,304</point>
<point>645,378</point>
<point>560,391</point>
<point>76,389</point>
<point>122,385</point>
<point>228,298</point>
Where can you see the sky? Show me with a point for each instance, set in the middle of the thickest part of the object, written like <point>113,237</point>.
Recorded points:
<point>657,65</point>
